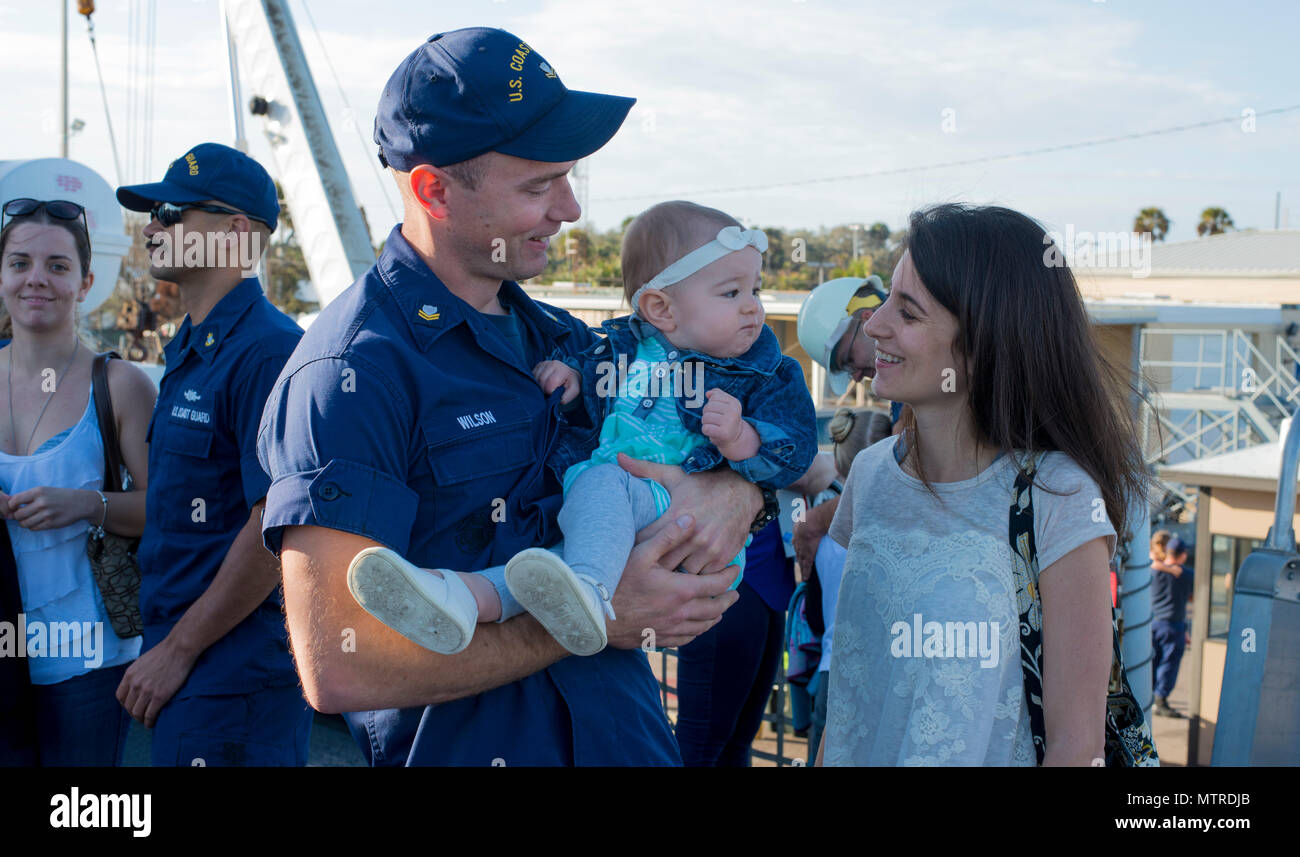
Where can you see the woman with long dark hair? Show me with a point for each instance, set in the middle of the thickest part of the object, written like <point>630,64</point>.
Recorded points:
<point>985,336</point>
<point>51,472</point>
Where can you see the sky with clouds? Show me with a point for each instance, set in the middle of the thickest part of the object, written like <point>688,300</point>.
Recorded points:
<point>761,107</point>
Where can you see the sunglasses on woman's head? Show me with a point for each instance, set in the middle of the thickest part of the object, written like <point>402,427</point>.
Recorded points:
<point>61,208</point>
<point>169,213</point>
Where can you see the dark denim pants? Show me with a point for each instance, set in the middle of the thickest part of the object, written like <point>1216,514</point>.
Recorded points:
<point>79,722</point>
<point>1168,639</point>
<point>724,680</point>
<point>820,687</point>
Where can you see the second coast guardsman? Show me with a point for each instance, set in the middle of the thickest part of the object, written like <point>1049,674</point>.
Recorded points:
<point>216,681</point>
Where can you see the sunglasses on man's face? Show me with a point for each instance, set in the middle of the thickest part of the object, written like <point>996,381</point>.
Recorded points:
<point>841,357</point>
<point>61,208</point>
<point>169,213</point>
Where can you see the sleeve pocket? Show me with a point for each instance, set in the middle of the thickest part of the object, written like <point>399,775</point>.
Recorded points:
<point>358,499</point>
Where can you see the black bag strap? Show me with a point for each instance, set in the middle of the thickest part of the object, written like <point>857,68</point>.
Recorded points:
<point>1020,533</point>
<point>1128,736</point>
<point>107,424</point>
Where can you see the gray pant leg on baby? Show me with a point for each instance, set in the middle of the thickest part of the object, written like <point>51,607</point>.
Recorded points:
<point>602,512</point>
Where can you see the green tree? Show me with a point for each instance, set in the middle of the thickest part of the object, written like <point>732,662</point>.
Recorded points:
<point>286,267</point>
<point>1213,222</point>
<point>883,263</point>
<point>1152,221</point>
<point>877,236</point>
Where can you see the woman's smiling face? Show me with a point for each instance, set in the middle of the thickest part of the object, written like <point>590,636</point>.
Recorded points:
<point>914,336</point>
<point>40,276</point>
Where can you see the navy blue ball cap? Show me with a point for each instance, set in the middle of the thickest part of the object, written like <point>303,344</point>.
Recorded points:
<point>478,90</point>
<point>210,171</point>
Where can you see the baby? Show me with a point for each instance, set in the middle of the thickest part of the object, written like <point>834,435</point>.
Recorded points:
<point>692,378</point>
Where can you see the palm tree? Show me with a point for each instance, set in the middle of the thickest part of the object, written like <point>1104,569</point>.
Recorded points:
<point>1213,222</point>
<point>1152,220</point>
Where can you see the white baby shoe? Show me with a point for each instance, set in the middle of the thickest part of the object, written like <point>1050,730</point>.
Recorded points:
<point>438,613</point>
<point>572,607</point>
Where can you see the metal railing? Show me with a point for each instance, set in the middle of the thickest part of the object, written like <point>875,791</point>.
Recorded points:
<point>1236,397</point>
<point>1240,371</point>
<point>778,719</point>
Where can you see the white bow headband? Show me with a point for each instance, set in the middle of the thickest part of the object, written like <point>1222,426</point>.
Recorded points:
<point>729,240</point>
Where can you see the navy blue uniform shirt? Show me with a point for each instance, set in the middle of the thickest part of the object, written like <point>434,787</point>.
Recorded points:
<point>1169,594</point>
<point>406,417</point>
<point>204,478</point>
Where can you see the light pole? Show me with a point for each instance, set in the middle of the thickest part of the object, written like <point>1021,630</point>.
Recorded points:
<point>821,270</point>
<point>855,227</point>
<point>63,88</point>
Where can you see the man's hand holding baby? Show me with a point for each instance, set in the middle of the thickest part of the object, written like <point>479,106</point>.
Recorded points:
<point>550,374</point>
<point>735,439</point>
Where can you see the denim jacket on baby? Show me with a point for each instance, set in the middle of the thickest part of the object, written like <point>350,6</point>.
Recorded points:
<point>770,387</point>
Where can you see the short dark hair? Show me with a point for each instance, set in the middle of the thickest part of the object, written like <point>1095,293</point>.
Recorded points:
<point>469,173</point>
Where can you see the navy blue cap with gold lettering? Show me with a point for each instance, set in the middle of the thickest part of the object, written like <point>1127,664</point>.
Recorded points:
<point>478,90</point>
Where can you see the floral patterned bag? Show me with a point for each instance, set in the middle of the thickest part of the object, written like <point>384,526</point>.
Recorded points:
<point>1128,735</point>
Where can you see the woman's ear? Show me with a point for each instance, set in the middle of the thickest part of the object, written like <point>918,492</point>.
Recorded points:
<point>86,283</point>
<point>657,309</point>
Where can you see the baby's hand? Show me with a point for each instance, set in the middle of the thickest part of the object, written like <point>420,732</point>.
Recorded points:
<point>734,438</point>
<point>552,373</point>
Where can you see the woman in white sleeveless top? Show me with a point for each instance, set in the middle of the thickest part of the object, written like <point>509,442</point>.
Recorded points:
<point>985,336</point>
<point>51,473</point>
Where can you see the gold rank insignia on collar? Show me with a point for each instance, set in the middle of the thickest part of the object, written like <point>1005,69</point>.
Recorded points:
<point>210,341</point>
<point>429,313</point>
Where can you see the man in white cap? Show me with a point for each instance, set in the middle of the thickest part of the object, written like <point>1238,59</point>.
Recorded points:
<point>830,328</point>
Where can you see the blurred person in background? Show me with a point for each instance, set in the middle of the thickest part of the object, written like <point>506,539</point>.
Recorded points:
<point>851,432</point>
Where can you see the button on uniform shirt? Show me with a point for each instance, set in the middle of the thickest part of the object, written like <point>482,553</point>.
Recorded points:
<point>407,417</point>
<point>204,478</point>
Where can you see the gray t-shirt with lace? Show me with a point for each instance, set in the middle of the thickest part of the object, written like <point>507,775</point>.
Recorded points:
<point>927,667</point>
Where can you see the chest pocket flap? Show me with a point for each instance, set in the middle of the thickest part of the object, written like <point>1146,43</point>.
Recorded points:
<point>465,443</point>
<point>187,440</point>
